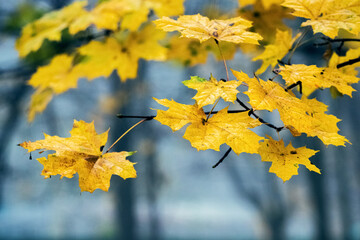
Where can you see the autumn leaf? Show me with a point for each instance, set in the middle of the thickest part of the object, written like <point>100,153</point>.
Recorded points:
<point>48,27</point>
<point>57,75</point>
<point>222,127</point>
<point>128,14</point>
<point>286,160</point>
<point>102,58</point>
<point>277,50</point>
<point>39,101</point>
<point>54,78</point>
<point>81,153</point>
<point>327,16</point>
<point>202,28</point>
<point>105,15</point>
<point>265,3</point>
<point>191,52</point>
<point>313,77</point>
<point>299,115</point>
<point>266,20</point>
<point>210,90</point>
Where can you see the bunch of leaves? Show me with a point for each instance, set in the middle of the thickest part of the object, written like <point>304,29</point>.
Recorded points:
<point>82,153</point>
<point>126,35</point>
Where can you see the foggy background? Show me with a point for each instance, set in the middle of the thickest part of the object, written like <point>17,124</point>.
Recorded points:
<point>177,194</point>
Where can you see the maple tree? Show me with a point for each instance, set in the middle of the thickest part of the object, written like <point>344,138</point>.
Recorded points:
<point>124,32</point>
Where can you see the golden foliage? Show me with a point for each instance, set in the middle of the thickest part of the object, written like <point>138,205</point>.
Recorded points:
<point>328,16</point>
<point>81,153</point>
<point>300,115</point>
<point>222,127</point>
<point>286,160</point>
<point>202,28</point>
<point>210,90</point>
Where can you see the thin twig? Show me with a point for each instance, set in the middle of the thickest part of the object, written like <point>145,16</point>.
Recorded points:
<point>351,61</point>
<point>251,112</point>
<point>222,159</point>
<point>341,40</point>
<point>151,117</point>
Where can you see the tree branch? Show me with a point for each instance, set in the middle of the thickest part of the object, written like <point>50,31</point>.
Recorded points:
<point>351,61</point>
<point>341,40</point>
<point>222,159</point>
<point>150,117</point>
<point>294,85</point>
<point>251,112</point>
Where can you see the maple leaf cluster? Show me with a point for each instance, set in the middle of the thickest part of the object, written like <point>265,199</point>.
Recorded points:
<point>124,33</point>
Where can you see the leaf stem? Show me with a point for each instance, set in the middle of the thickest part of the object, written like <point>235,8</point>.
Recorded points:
<point>297,44</point>
<point>223,58</point>
<point>133,126</point>
<point>208,115</point>
<point>222,159</point>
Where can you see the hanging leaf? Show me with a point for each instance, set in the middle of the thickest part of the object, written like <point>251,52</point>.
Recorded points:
<point>81,153</point>
<point>286,160</point>
<point>202,28</point>
<point>210,90</point>
<point>328,16</point>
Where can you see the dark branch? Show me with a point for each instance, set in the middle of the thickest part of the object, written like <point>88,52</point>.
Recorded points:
<point>251,112</point>
<point>222,159</point>
<point>150,117</point>
<point>341,40</point>
<point>294,85</point>
<point>351,61</point>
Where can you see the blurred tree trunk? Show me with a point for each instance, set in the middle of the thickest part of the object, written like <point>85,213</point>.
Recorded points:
<point>270,205</point>
<point>14,101</point>
<point>136,102</point>
<point>318,194</point>
<point>124,199</point>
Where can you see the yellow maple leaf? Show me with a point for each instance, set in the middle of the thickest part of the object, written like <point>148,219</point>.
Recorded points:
<point>105,15</point>
<point>265,3</point>
<point>54,78</point>
<point>57,75</point>
<point>266,20</point>
<point>39,101</point>
<point>202,28</point>
<point>313,77</point>
<point>102,58</point>
<point>327,16</point>
<point>129,13</point>
<point>48,27</point>
<point>210,90</point>
<point>299,115</point>
<point>81,153</point>
<point>286,160</point>
<point>277,50</point>
<point>191,52</point>
<point>222,127</point>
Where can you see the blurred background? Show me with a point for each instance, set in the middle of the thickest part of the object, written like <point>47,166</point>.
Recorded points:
<point>177,194</point>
